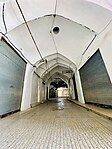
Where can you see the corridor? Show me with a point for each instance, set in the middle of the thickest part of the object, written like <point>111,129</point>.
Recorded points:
<point>56,124</point>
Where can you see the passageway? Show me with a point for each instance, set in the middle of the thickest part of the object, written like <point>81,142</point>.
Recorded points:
<point>53,52</point>
<point>48,127</point>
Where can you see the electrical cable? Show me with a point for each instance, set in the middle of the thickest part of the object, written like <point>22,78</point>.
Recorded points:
<point>16,48</point>
<point>29,30</point>
<point>87,49</point>
<point>90,44</point>
<point>94,39</point>
<point>105,27</point>
<point>54,15</point>
<point>13,46</point>
<point>3,17</point>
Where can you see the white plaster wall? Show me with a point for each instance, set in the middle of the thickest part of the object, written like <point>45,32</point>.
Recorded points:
<point>71,89</point>
<point>26,98</point>
<point>43,93</point>
<point>106,51</point>
<point>63,92</point>
<point>104,43</point>
<point>34,93</point>
<point>79,87</point>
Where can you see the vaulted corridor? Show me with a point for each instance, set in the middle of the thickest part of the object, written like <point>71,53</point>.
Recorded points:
<point>55,74</point>
<point>49,127</point>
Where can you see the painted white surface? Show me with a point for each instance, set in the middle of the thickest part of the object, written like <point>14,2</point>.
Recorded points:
<point>71,89</point>
<point>27,89</point>
<point>43,93</point>
<point>72,17</point>
<point>72,40</point>
<point>63,92</point>
<point>72,36</point>
<point>79,87</point>
<point>104,43</point>
<point>104,3</point>
<point>106,50</point>
<point>76,10</point>
<point>34,92</point>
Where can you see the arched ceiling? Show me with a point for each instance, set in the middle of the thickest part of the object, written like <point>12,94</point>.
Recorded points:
<point>78,20</point>
<point>58,82</point>
<point>81,11</point>
<point>71,40</point>
<point>58,70</point>
<point>104,3</point>
<point>54,62</point>
<point>58,75</point>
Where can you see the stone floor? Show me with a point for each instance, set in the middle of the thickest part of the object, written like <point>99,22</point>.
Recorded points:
<point>105,112</point>
<point>57,124</point>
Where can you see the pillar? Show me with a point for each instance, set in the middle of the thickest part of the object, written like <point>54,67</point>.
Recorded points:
<point>79,87</point>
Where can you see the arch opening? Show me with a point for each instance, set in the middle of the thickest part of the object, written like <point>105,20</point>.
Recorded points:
<point>58,88</point>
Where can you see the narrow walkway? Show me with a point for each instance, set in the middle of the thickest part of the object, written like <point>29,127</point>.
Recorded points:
<point>107,113</point>
<point>49,126</point>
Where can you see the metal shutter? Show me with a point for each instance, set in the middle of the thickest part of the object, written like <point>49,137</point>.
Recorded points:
<point>12,71</point>
<point>96,84</point>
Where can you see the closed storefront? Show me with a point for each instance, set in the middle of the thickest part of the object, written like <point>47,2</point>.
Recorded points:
<point>12,71</point>
<point>95,80</point>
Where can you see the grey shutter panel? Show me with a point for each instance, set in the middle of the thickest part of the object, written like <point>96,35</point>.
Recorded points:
<point>12,71</point>
<point>95,80</point>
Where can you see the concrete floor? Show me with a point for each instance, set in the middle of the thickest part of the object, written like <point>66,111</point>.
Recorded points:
<point>49,127</point>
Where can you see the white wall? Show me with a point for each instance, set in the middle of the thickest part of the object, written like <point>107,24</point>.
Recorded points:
<point>79,87</point>
<point>26,98</point>
<point>63,92</point>
<point>34,93</point>
<point>71,89</point>
<point>33,90</point>
<point>104,43</point>
<point>43,98</point>
<point>106,51</point>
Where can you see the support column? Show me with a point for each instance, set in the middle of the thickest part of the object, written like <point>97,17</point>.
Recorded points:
<point>79,87</point>
<point>39,89</point>
<point>48,90</point>
<point>73,91</point>
<point>45,92</point>
<point>26,98</point>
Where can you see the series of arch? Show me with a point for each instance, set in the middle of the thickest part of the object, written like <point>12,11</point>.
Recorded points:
<point>84,26</point>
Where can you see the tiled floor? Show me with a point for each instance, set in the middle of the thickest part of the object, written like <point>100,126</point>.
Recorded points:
<point>49,127</point>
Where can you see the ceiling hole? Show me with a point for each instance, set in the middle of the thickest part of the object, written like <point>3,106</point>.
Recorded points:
<point>56,30</point>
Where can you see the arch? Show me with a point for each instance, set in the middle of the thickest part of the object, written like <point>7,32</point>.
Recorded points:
<point>52,15</point>
<point>52,62</point>
<point>76,38</point>
<point>46,8</point>
<point>64,78</point>
<point>59,65</point>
